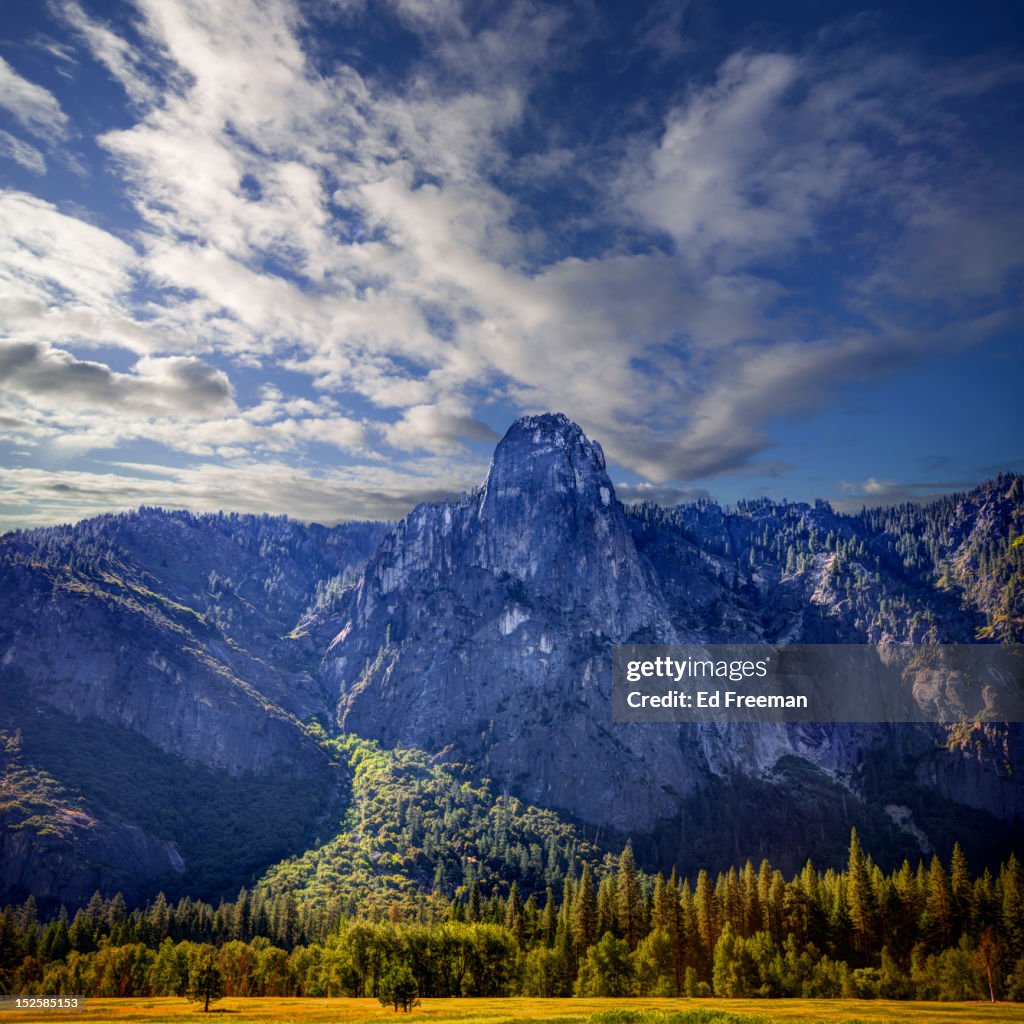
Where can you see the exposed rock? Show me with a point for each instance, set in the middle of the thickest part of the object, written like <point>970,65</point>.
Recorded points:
<point>483,627</point>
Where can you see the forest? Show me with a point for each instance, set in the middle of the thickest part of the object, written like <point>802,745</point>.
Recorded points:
<point>930,931</point>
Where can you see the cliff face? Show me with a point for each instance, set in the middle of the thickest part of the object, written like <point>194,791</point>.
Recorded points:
<point>483,628</point>
<point>177,628</point>
<point>484,625</point>
<point>163,641</point>
<point>166,671</point>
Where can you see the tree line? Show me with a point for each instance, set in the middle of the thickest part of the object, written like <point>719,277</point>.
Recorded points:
<point>934,931</point>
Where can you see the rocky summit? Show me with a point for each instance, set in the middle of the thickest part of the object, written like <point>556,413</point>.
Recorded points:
<point>482,628</point>
<point>171,682</point>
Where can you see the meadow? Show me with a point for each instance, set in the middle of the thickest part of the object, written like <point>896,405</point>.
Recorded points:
<point>550,1011</point>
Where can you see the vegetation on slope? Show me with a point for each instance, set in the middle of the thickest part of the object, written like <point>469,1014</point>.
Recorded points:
<point>225,828</point>
<point>416,831</point>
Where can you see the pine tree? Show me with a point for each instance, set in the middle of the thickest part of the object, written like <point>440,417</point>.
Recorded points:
<point>764,886</point>
<point>750,908</point>
<point>549,919</point>
<point>938,907</point>
<point>672,921</point>
<point>160,917</point>
<point>707,927</point>
<point>206,983</point>
<point>860,899</point>
<point>1011,885</point>
<point>584,914</point>
<point>514,916</point>
<point>607,903</point>
<point>242,914</point>
<point>961,890</point>
<point>629,894</point>
<point>659,906</point>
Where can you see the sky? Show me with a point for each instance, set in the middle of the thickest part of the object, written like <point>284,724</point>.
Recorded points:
<point>314,256</point>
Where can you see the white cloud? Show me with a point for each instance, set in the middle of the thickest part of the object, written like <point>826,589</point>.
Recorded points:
<point>54,379</point>
<point>22,153</point>
<point>368,233</point>
<point>35,108</point>
<point>437,429</point>
<point>49,256</point>
<point>124,63</point>
<point>42,497</point>
<point>747,167</point>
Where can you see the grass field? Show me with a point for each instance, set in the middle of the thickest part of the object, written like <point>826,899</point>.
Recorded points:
<point>510,1011</point>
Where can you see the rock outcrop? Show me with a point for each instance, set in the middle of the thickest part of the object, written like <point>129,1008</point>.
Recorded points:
<point>483,628</point>
<point>164,660</point>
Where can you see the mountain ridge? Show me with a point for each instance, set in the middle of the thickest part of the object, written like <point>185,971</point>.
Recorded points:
<point>480,589</point>
<point>478,630</point>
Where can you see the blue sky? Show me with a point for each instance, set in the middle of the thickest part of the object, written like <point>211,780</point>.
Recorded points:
<point>315,257</point>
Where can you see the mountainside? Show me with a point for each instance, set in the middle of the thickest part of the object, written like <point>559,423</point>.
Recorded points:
<point>166,679</point>
<point>483,627</point>
<point>147,668</point>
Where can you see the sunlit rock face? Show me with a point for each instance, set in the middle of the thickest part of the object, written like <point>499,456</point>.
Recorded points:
<point>482,628</point>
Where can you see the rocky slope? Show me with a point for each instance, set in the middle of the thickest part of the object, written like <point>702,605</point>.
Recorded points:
<point>156,649</point>
<point>172,674</point>
<point>483,628</point>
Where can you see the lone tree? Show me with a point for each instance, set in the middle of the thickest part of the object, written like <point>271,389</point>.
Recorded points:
<point>205,981</point>
<point>398,988</point>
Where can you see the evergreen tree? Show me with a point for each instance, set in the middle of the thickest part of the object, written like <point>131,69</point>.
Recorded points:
<point>397,988</point>
<point>584,914</point>
<point>205,983</point>
<point>707,927</point>
<point>549,919</point>
<point>860,900</point>
<point>514,916</point>
<point>629,898</point>
<point>938,907</point>
<point>607,906</point>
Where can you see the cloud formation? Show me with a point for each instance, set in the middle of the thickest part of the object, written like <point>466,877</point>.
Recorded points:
<point>35,108</point>
<point>390,257</point>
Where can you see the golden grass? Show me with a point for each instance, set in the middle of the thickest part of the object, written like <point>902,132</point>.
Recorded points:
<point>511,1011</point>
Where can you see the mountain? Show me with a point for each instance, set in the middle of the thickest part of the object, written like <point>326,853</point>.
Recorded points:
<point>150,673</point>
<point>483,627</point>
<point>170,682</point>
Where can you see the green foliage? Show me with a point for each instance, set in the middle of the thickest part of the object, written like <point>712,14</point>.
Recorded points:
<point>205,981</point>
<point>397,988</point>
<point>417,832</point>
<point>607,969</point>
<point>748,933</point>
<point>31,799</point>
